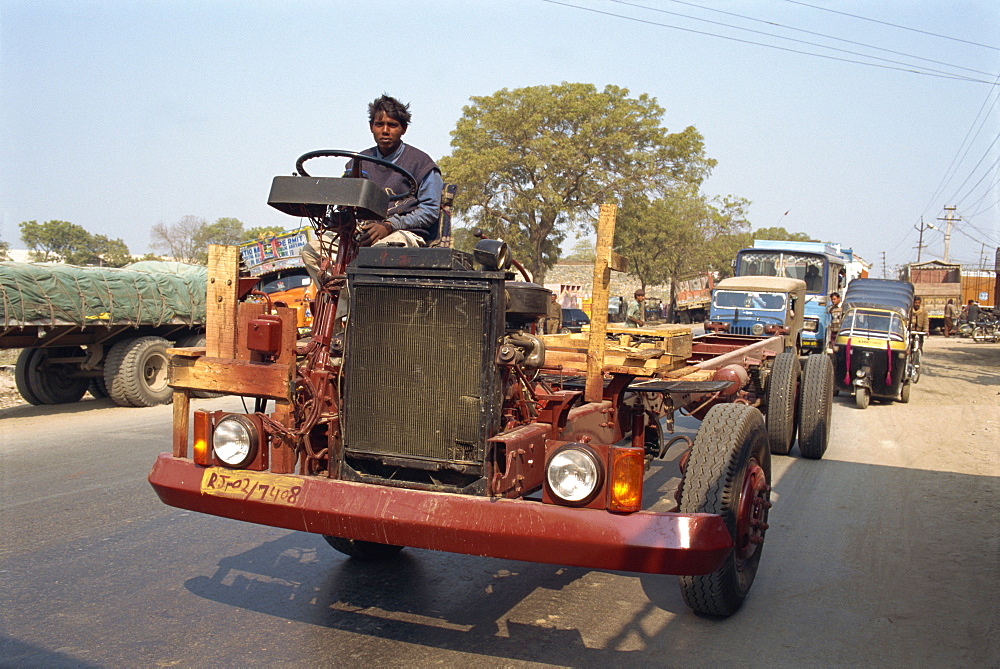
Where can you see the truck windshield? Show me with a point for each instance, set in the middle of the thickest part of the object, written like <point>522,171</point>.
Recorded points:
<point>805,266</point>
<point>869,323</point>
<point>744,299</point>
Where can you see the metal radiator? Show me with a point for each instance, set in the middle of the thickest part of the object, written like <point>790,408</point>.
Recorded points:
<point>420,383</point>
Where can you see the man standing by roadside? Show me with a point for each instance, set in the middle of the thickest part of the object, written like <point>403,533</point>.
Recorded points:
<point>553,321</point>
<point>919,322</point>
<point>636,316</point>
<point>972,315</point>
<point>949,317</point>
<point>836,316</point>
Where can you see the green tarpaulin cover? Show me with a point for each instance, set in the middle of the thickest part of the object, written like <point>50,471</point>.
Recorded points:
<point>143,293</point>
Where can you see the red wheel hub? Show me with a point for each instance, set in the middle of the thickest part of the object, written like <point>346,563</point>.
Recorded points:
<point>751,518</point>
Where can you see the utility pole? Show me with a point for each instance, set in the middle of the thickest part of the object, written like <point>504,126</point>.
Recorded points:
<point>885,274</point>
<point>949,219</point>
<point>920,243</point>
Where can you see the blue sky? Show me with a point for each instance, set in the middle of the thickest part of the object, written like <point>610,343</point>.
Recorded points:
<point>119,115</point>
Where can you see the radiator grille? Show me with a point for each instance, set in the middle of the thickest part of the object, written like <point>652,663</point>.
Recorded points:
<point>419,369</point>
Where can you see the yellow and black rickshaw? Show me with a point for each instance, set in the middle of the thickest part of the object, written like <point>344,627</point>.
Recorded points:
<point>874,352</point>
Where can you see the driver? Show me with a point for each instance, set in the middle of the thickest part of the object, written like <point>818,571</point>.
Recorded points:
<point>410,221</point>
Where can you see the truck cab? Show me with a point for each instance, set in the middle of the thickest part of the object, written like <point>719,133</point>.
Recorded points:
<point>759,306</point>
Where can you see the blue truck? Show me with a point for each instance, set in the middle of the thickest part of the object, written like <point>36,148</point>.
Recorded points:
<point>824,267</point>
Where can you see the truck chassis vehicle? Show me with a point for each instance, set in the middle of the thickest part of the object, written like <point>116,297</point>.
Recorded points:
<point>435,418</point>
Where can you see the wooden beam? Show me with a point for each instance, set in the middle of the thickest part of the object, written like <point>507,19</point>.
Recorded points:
<point>220,304</point>
<point>599,303</point>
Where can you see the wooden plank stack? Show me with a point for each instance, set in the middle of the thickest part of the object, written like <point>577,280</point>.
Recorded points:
<point>638,351</point>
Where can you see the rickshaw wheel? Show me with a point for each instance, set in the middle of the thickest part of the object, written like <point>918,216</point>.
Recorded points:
<point>862,396</point>
<point>904,393</point>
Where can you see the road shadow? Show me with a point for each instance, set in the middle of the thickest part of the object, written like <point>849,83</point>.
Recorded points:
<point>88,403</point>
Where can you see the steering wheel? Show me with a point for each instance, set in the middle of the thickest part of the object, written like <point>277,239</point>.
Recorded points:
<point>353,155</point>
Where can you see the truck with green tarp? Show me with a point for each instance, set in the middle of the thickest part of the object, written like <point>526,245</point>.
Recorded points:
<point>101,329</point>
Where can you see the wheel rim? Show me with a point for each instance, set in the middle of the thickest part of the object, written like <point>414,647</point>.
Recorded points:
<point>154,372</point>
<point>751,519</point>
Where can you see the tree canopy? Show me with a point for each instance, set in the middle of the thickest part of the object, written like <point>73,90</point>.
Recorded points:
<point>679,232</point>
<point>187,240</point>
<point>533,164</point>
<point>782,235</point>
<point>62,241</point>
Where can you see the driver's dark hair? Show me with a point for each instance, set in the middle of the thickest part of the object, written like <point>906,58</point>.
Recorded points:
<point>392,107</point>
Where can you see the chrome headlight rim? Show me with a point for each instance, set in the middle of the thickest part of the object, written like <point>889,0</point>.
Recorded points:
<point>235,441</point>
<point>757,329</point>
<point>810,325</point>
<point>565,459</point>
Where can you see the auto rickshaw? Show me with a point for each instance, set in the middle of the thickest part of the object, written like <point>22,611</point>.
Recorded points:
<point>874,354</point>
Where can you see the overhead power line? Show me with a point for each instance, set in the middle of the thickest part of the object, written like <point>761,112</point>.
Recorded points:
<point>913,69</point>
<point>894,25</point>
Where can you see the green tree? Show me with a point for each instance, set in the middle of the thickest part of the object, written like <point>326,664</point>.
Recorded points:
<point>584,249</point>
<point>225,231</point>
<point>261,231</point>
<point>61,241</point>
<point>533,164</point>
<point>782,235</point>
<point>187,240</point>
<point>53,241</point>
<point>4,251</point>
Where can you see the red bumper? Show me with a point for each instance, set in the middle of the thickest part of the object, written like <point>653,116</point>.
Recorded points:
<point>661,543</point>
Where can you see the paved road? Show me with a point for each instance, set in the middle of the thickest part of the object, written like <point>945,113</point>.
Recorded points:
<point>883,553</point>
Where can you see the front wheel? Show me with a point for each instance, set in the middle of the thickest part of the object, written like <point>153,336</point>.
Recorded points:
<point>368,551</point>
<point>729,474</point>
<point>904,393</point>
<point>862,397</point>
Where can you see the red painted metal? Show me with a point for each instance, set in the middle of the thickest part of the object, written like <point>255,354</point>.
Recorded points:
<point>661,543</point>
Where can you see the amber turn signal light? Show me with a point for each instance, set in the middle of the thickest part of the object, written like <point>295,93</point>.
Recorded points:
<point>202,425</point>
<point>627,468</point>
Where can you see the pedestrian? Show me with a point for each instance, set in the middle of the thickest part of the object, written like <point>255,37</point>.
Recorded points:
<point>949,317</point>
<point>635,317</point>
<point>553,321</point>
<point>836,316</point>
<point>972,313</point>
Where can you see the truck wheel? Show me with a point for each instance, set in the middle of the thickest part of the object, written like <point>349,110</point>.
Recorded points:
<point>97,388</point>
<point>50,383</point>
<point>729,474</point>
<point>21,376</point>
<point>815,407</point>
<point>363,550</point>
<point>782,401</point>
<point>862,396</point>
<point>135,372</point>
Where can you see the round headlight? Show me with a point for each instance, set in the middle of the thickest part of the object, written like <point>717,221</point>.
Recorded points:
<point>235,441</point>
<point>757,329</point>
<point>574,474</point>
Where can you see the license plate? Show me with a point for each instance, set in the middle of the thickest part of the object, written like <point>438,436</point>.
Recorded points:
<point>251,486</point>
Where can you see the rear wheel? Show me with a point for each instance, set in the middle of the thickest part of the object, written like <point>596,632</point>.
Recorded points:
<point>816,406</point>
<point>136,372</point>
<point>862,397</point>
<point>42,380</point>
<point>782,401</point>
<point>728,474</point>
<point>363,550</point>
<point>98,388</point>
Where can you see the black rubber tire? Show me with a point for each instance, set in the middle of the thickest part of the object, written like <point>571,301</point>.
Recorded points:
<point>782,401</point>
<point>917,364</point>
<point>22,377</point>
<point>368,551</point>
<point>51,383</point>
<point>729,454</point>
<point>97,388</point>
<point>862,398</point>
<point>904,393</point>
<point>815,406</point>
<point>136,372</point>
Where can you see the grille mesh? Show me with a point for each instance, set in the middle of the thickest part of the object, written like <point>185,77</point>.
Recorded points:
<point>414,372</point>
